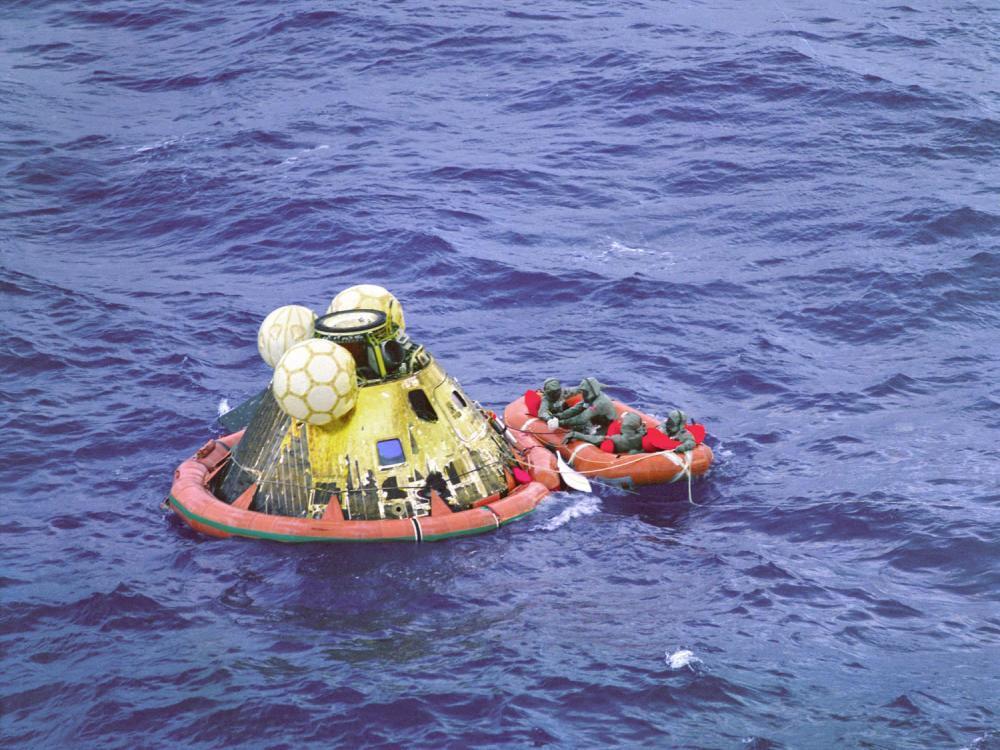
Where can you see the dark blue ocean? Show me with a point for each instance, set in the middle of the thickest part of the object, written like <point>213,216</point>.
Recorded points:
<point>781,217</point>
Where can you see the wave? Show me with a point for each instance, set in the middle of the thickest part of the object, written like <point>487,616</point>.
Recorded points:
<point>585,505</point>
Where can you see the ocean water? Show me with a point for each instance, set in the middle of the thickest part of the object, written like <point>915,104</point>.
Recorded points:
<point>782,217</point>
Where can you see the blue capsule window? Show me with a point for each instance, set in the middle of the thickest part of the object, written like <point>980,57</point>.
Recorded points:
<point>390,452</point>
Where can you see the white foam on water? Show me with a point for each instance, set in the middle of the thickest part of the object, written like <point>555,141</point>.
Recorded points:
<point>619,247</point>
<point>582,504</point>
<point>224,407</point>
<point>681,658</point>
<point>156,146</point>
<point>721,450</point>
<point>634,258</point>
<point>982,743</point>
<point>305,152</point>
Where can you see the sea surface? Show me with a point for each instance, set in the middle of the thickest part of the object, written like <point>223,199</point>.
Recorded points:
<point>782,217</point>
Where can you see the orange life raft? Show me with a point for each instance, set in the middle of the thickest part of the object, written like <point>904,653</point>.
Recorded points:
<point>191,498</point>
<point>625,468</point>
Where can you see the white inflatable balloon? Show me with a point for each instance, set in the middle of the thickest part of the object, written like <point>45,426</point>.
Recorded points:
<point>369,297</point>
<point>315,382</point>
<point>282,329</point>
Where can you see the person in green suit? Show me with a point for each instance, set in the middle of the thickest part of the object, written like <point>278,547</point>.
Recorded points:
<point>629,440</point>
<point>595,411</point>
<point>674,428</point>
<point>554,401</point>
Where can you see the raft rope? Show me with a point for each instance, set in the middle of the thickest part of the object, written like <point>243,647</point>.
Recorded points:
<point>684,463</point>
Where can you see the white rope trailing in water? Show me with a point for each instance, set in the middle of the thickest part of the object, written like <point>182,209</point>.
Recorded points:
<point>686,469</point>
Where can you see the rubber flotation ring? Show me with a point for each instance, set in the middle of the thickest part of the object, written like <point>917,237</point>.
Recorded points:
<point>191,498</point>
<point>637,468</point>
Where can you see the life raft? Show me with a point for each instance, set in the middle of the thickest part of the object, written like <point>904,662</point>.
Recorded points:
<point>192,499</point>
<point>657,467</point>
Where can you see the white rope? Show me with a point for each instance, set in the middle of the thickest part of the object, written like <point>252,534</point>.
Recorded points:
<point>689,460</point>
<point>685,465</point>
<point>572,456</point>
<point>669,454</point>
